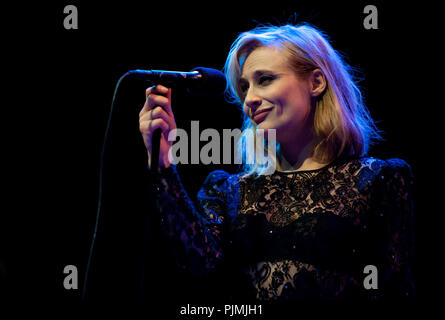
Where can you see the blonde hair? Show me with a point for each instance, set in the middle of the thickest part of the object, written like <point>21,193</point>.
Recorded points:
<point>342,123</point>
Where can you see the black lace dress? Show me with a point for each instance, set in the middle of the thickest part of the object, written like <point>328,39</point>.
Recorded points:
<point>297,235</point>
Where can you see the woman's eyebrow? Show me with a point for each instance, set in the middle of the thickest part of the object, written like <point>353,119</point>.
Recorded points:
<point>257,74</point>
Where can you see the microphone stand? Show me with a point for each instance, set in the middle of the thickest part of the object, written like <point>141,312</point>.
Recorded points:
<point>155,143</point>
<point>93,282</point>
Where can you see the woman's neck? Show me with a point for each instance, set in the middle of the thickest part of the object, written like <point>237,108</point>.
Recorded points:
<point>297,157</point>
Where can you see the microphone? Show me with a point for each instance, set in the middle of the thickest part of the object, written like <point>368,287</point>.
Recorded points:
<point>200,80</point>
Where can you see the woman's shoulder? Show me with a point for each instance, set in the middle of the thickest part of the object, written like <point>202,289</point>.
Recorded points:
<point>220,177</point>
<point>221,181</point>
<point>369,173</point>
<point>374,164</point>
<point>371,169</point>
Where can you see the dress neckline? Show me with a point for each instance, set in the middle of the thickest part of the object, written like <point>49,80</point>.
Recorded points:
<point>332,163</point>
<point>303,171</point>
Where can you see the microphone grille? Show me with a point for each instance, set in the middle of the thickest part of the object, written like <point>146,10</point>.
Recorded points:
<point>213,82</point>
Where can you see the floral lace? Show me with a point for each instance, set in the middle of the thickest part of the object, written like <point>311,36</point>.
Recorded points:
<point>297,235</point>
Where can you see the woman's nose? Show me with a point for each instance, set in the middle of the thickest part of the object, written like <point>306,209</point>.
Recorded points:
<point>252,101</point>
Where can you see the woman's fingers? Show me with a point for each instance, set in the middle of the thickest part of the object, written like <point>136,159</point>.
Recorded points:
<point>157,96</point>
<point>148,127</point>
<point>158,89</point>
<point>155,113</point>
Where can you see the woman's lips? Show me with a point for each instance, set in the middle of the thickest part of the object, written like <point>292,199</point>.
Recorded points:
<point>260,115</point>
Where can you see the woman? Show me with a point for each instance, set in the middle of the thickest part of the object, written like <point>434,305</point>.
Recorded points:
<point>308,228</point>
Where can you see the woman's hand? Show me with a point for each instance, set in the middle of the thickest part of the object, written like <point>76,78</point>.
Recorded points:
<point>157,113</point>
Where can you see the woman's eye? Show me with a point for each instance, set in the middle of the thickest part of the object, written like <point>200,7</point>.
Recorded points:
<point>264,80</point>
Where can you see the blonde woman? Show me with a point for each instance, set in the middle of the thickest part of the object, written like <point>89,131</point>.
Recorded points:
<point>326,216</point>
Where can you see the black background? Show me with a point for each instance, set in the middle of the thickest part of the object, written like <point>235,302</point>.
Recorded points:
<point>78,70</point>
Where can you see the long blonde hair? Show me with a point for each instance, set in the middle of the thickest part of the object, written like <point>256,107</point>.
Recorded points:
<point>342,123</point>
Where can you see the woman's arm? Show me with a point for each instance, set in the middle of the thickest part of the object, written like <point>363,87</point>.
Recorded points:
<point>194,232</point>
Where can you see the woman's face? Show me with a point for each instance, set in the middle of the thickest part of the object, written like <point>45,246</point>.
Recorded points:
<point>275,97</point>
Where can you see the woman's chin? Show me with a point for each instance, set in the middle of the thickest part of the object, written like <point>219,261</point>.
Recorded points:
<point>266,126</point>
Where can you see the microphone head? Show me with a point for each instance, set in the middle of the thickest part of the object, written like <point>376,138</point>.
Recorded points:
<point>213,82</point>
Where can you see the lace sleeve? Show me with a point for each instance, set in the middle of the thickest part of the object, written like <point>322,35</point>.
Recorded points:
<point>194,232</point>
<point>396,280</point>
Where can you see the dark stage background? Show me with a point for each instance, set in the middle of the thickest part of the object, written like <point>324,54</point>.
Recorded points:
<point>81,68</point>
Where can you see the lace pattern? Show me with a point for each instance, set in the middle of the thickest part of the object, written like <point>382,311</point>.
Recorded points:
<point>298,235</point>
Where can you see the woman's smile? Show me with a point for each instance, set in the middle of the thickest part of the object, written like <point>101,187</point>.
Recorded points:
<point>261,114</point>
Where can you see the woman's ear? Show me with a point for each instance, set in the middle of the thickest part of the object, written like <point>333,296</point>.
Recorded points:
<point>317,82</point>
